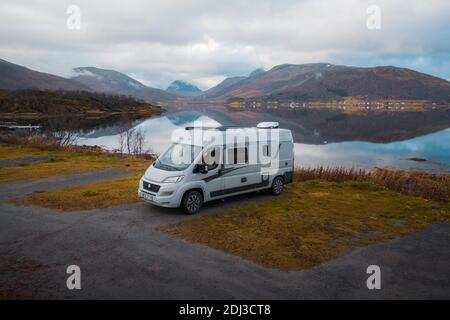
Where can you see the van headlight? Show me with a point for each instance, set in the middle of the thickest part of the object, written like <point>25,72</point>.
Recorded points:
<point>173,179</point>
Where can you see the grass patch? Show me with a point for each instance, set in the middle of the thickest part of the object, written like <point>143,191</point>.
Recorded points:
<point>97,195</point>
<point>8,152</point>
<point>101,194</point>
<point>313,222</point>
<point>62,163</point>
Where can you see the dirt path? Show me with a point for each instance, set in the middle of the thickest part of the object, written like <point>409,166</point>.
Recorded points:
<point>22,161</point>
<point>19,189</point>
<point>121,256</point>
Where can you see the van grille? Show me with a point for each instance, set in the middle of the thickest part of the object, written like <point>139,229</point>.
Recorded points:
<point>150,186</point>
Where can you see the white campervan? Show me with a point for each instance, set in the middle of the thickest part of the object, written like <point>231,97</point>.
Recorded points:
<point>204,164</point>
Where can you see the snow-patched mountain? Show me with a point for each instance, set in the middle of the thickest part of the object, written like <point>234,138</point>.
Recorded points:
<point>183,88</point>
<point>114,82</point>
<point>16,77</point>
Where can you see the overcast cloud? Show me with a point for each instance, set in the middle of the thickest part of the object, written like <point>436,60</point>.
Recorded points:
<point>204,41</point>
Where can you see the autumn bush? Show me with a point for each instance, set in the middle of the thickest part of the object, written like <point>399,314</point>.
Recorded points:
<point>435,186</point>
<point>46,143</point>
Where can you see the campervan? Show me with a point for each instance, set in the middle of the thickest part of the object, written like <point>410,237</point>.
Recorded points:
<point>204,164</point>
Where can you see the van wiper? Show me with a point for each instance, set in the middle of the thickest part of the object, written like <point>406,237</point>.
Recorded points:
<point>165,166</point>
<point>171,168</point>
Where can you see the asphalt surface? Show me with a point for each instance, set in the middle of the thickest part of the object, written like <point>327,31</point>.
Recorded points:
<point>122,256</point>
<point>22,161</point>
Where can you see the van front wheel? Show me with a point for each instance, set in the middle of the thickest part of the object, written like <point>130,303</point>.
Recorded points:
<point>277,186</point>
<point>192,202</point>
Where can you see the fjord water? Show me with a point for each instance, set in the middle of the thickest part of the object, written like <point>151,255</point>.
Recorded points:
<point>434,147</point>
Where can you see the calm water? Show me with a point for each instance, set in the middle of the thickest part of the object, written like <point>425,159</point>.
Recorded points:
<point>435,147</point>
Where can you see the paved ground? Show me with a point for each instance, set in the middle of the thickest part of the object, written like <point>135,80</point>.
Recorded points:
<point>121,256</point>
<point>24,160</point>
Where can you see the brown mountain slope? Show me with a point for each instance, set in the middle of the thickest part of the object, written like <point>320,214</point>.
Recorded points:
<point>322,81</point>
<point>16,77</point>
<point>222,87</point>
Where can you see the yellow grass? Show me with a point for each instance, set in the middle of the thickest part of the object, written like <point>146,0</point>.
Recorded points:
<point>313,222</point>
<point>89,196</point>
<point>62,163</point>
<point>12,152</point>
<point>433,186</point>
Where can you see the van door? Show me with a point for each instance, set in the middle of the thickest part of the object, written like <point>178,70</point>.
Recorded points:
<point>213,158</point>
<point>238,174</point>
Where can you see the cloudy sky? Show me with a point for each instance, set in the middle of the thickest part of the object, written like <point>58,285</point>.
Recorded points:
<point>204,41</point>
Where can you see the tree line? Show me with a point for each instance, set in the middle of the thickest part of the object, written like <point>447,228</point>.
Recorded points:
<point>56,102</point>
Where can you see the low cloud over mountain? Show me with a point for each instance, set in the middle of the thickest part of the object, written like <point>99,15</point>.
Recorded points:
<point>206,41</point>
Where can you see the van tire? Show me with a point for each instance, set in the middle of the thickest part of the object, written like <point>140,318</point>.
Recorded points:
<point>277,186</point>
<point>192,202</point>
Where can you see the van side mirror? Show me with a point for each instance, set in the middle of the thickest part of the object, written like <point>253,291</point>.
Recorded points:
<point>202,168</point>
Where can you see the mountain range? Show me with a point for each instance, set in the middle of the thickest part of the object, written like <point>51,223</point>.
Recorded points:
<point>324,81</point>
<point>306,82</point>
<point>114,82</point>
<point>16,77</point>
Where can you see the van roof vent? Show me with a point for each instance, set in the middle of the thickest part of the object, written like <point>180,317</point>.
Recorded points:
<point>268,125</point>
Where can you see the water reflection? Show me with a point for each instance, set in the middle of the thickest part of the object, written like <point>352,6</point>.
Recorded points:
<point>157,131</point>
<point>434,147</point>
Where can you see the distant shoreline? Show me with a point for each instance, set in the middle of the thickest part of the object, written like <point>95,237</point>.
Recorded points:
<point>34,116</point>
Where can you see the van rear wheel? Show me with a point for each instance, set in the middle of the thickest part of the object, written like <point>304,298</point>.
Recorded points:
<point>277,186</point>
<point>192,202</point>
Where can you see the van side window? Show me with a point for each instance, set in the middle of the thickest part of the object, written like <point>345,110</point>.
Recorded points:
<point>237,156</point>
<point>285,150</point>
<point>265,150</point>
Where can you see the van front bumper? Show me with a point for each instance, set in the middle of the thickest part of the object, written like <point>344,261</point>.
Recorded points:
<point>167,195</point>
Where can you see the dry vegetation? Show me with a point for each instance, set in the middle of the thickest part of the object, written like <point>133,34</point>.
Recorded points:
<point>97,195</point>
<point>425,185</point>
<point>9,151</point>
<point>313,222</point>
<point>324,213</point>
<point>69,160</point>
<point>27,144</point>
<point>62,160</point>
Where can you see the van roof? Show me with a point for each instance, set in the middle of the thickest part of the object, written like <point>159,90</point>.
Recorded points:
<point>253,133</point>
<point>261,125</point>
<point>220,128</point>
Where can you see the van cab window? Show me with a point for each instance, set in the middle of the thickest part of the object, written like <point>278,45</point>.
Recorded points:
<point>178,157</point>
<point>212,158</point>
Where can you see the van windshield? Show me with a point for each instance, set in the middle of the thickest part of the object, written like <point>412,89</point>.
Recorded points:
<point>178,157</point>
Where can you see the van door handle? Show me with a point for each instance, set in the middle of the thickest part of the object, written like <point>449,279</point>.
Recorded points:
<point>244,179</point>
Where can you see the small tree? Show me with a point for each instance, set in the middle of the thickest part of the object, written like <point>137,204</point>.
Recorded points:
<point>131,140</point>
<point>138,140</point>
<point>61,129</point>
